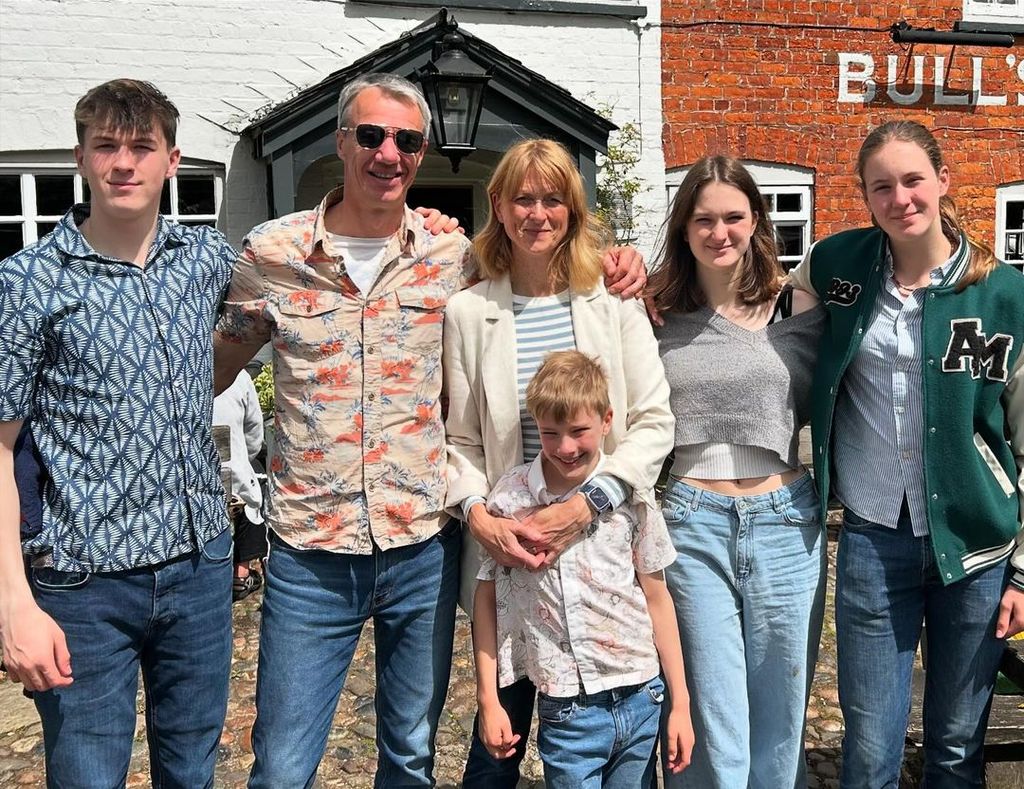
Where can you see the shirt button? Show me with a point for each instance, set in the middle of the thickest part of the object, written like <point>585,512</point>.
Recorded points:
<point>942,556</point>
<point>931,361</point>
<point>370,349</point>
<point>931,429</point>
<point>832,390</point>
<point>371,443</point>
<point>309,308</point>
<point>935,497</point>
<point>931,295</point>
<point>948,576</point>
<point>371,397</point>
<point>371,486</point>
<point>860,331</point>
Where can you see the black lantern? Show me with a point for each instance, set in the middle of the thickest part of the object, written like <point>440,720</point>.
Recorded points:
<point>453,85</point>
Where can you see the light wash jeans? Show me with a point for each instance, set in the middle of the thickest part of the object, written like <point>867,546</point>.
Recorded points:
<point>172,620</point>
<point>600,740</point>
<point>749,591</point>
<point>886,585</point>
<point>314,609</point>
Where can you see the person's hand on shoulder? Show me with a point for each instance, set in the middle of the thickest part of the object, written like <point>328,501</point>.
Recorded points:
<point>624,271</point>
<point>438,223</point>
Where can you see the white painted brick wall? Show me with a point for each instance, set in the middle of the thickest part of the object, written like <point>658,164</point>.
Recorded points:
<point>221,60</point>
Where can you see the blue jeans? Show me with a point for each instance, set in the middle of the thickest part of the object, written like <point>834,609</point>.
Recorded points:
<point>483,771</point>
<point>314,609</point>
<point>749,590</point>
<point>602,739</point>
<point>886,585</point>
<point>173,620</point>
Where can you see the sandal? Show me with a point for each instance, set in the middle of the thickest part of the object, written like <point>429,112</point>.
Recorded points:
<point>243,586</point>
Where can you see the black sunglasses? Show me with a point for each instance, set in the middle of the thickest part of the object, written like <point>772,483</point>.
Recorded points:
<point>372,136</point>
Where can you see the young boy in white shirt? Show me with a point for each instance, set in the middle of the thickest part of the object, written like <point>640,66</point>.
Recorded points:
<point>588,631</point>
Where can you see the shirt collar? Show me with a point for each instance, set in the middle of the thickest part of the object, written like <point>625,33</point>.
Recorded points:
<point>539,486</point>
<point>949,272</point>
<point>405,237</point>
<point>68,237</point>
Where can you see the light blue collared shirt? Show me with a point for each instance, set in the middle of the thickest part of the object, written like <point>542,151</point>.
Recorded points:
<point>879,422</point>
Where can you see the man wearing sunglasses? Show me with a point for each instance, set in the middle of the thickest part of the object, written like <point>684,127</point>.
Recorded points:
<point>352,297</point>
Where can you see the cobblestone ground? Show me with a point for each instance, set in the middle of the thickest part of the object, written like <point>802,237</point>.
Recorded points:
<point>350,759</point>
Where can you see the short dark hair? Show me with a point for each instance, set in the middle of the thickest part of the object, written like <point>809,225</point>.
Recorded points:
<point>126,105</point>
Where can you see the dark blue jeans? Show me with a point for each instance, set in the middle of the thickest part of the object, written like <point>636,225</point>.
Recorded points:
<point>314,609</point>
<point>174,621</point>
<point>483,771</point>
<point>887,584</point>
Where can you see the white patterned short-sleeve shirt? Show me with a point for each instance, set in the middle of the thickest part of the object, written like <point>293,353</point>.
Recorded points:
<point>583,623</point>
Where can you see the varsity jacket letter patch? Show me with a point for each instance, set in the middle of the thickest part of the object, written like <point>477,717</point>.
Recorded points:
<point>842,292</point>
<point>968,344</point>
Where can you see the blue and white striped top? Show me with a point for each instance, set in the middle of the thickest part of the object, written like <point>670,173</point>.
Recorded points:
<point>879,423</point>
<point>543,325</point>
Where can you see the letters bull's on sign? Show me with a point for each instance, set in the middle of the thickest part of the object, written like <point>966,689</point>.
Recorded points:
<point>905,82</point>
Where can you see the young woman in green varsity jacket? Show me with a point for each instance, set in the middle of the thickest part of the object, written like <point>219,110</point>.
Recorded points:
<point>918,429</point>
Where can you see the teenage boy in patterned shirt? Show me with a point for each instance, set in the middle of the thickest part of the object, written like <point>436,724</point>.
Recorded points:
<point>106,349</point>
<point>588,631</point>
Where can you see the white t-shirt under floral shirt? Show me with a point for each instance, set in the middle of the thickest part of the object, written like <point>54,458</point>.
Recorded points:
<point>582,624</point>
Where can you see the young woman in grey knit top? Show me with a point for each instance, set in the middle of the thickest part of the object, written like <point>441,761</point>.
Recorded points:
<point>749,580</point>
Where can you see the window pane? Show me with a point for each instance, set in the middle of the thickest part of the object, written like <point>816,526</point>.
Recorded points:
<point>86,193</point>
<point>55,194</point>
<point>788,202</point>
<point>198,222</point>
<point>42,228</point>
<point>165,198</point>
<point>10,195</point>
<point>769,199</point>
<point>1015,215</point>
<point>1014,246</point>
<point>10,239</point>
<point>791,237</point>
<point>195,195</point>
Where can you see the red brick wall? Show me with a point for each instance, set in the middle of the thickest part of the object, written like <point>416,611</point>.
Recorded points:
<point>760,79</point>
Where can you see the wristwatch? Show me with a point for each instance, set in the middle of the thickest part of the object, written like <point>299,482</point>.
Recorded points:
<point>597,499</point>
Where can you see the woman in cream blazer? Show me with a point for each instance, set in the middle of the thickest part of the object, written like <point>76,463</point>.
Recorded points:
<point>540,241</point>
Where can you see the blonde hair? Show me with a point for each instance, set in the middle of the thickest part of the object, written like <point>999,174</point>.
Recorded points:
<point>577,260</point>
<point>566,384</point>
<point>982,261</point>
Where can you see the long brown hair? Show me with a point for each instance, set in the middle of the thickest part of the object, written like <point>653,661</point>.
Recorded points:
<point>982,261</point>
<point>674,282</point>
<point>577,260</point>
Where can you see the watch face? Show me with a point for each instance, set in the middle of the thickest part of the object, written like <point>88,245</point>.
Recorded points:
<point>598,498</point>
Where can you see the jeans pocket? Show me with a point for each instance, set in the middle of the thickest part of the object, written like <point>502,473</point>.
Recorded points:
<point>852,520</point>
<point>656,690</point>
<point>676,509</point>
<point>555,711</point>
<point>51,580</point>
<point>220,548</point>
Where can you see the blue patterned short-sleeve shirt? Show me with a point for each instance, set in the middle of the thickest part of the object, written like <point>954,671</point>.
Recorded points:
<point>113,364</point>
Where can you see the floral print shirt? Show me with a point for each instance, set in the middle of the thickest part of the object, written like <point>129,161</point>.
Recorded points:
<point>358,453</point>
<point>582,624</point>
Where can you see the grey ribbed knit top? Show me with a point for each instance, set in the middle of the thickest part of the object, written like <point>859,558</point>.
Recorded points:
<point>739,387</point>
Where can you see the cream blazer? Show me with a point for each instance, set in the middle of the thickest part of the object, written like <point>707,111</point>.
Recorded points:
<point>484,439</point>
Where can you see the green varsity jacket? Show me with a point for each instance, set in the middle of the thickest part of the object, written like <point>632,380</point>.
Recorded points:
<point>973,389</point>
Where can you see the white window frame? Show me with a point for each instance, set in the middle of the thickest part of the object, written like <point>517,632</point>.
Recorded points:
<point>772,179</point>
<point>30,218</point>
<point>1005,194</point>
<point>998,12</point>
